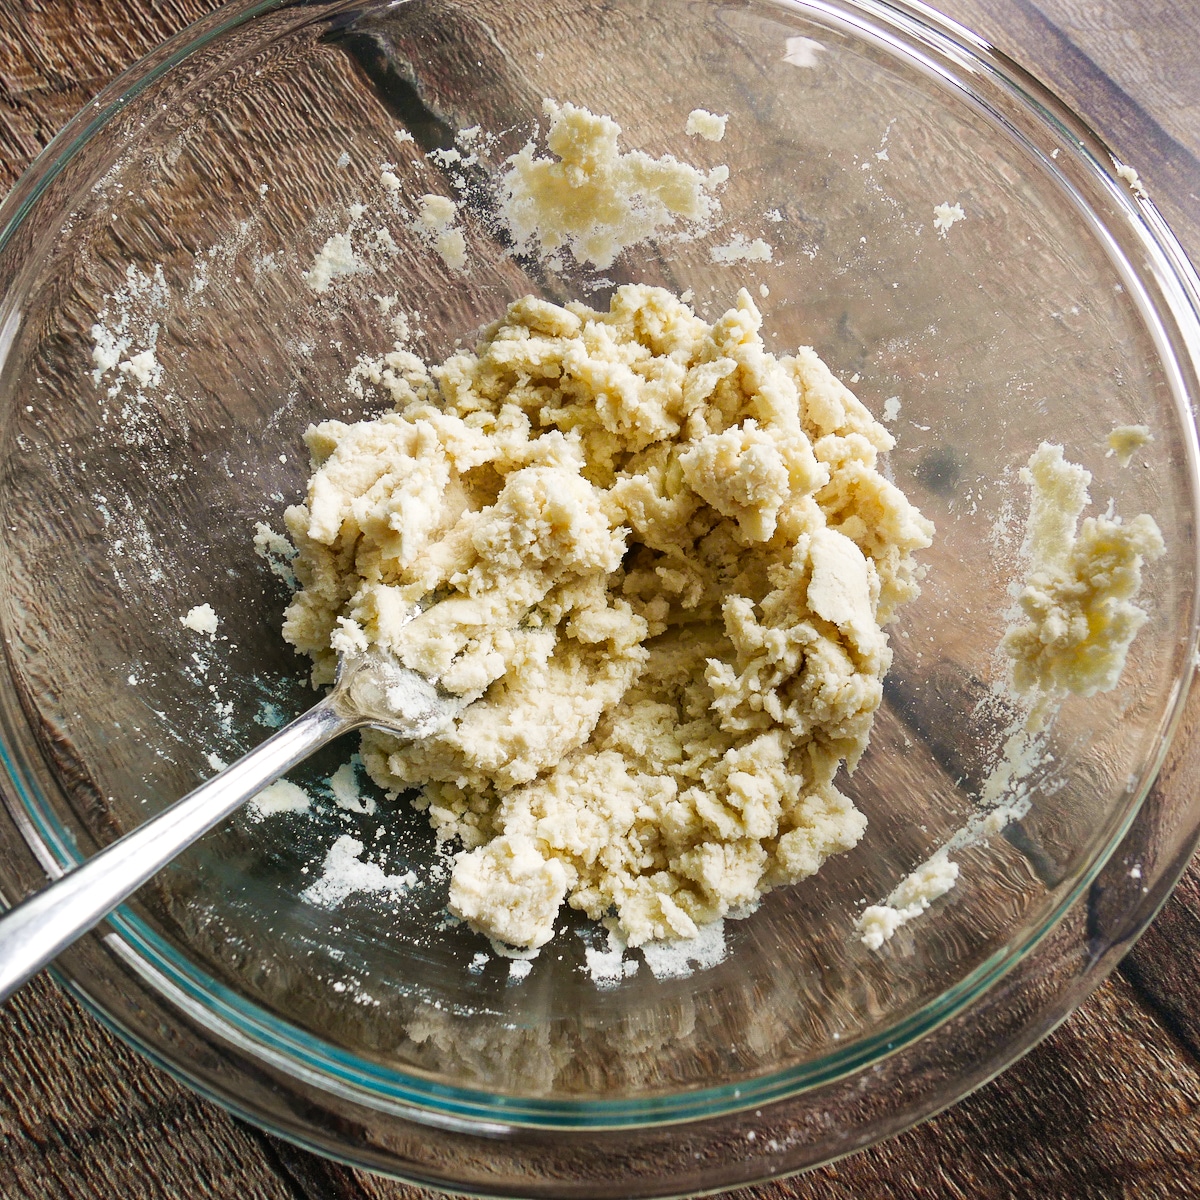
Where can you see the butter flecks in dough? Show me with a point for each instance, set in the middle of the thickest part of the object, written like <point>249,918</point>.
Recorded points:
<point>661,556</point>
<point>595,199</point>
<point>1077,620</point>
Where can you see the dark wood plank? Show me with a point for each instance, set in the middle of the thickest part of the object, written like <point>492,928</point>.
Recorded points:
<point>1129,69</point>
<point>1066,1121</point>
<point>1150,47</point>
<point>81,1116</point>
<point>1163,966</point>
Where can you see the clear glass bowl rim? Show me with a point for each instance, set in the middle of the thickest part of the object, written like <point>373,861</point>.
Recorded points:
<point>231,1019</point>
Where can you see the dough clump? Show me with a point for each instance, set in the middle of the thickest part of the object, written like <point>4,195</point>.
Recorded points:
<point>1126,440</point>
<point>595,199</point>
<point>1076,617</point>
<point>702,123</point>
<point>661,557</point>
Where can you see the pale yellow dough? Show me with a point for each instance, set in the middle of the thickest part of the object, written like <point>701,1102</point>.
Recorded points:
<point>1077,620</point>
<point>595,199</point>
<point>1126,440</point>
<point>661,556</point>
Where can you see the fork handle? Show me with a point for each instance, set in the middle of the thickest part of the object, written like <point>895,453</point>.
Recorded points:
<point>36,930</point>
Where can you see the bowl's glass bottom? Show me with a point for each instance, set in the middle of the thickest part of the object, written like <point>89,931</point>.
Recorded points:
<point>126,505</point>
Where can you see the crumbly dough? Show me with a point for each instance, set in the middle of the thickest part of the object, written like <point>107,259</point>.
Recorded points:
<point>916,892</point>
<point>946,215</point>
<point>1076,620</point>
<point>435,219</point>
<point>661,556</point>
<point>1126,440</point>
<point>595,199</point>
<point>1073,634</point>
<point>702,123</point>
<point>201,618</point>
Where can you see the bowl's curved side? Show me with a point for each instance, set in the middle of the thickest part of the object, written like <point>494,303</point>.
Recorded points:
<point>935,1062</point>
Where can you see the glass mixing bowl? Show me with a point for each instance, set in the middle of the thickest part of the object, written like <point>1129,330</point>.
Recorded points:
<point>181,211</point>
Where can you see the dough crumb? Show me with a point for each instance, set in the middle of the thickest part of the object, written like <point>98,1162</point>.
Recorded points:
<point>1132,178</point>
<point>107,348</point>
<point>1076,620</point>
<point>144,367</point>
<point>201,619</point>
<point>435,217</point>
<point>1126,440</point>
<point>740,249</point>
<point>945,215</point>
<point>912,897</point>
<point>661,558</point>
<point>891,408</point>
<point>593,199</point>
<point>701,123</point>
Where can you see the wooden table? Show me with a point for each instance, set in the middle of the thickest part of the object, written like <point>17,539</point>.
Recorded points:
<point>1109,1106</point>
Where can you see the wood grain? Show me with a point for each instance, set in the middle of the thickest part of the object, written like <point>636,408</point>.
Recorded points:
<point>81,1116</point>
<point>1109,1106</point>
